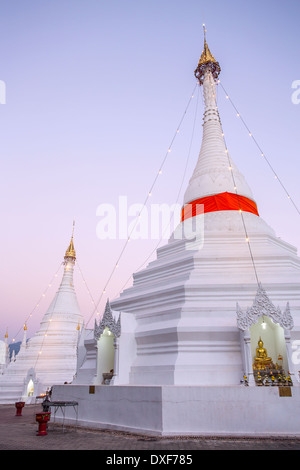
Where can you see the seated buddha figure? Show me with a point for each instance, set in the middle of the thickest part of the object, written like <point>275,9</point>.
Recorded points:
<point>261,360</point>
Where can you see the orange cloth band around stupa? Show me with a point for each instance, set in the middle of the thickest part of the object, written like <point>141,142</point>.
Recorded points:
<point>218,202</point>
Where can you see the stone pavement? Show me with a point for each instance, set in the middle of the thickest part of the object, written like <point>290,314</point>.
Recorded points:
<point>20,433</point>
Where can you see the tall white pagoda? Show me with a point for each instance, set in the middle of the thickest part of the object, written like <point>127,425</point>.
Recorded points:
<point>50,356</point>
<point>204,343</point>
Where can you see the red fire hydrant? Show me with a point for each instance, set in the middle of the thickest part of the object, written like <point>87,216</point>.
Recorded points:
<point>42,419</point>
<point>19,405</point>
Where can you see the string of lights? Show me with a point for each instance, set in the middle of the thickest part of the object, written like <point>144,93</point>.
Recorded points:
<point>230,167</point>
<point>149,194</point>
<point>177,199</point>
<point>53,310</point>
<point>43,295</point>
<point>86,285</point>
<point>44,335</point>
<point>48,323</point>
<point>238,114</point>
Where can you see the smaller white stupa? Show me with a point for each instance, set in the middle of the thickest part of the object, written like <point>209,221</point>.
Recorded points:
<point>50,356</point>
<point>4,354</point>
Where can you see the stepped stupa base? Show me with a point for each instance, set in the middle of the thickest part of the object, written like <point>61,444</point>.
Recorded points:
<point>184,410</point>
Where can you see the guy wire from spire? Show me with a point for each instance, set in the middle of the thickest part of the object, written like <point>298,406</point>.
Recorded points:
<point>177,199</point>
<point>214,71</point>
<point>45,334</point>
<point>178,195</point>
<point>259,148</point>
<point>38,303</point>
<point>240,209</point>
<point>48,324</point>
<point>85,283</point>
<point>144,204</point>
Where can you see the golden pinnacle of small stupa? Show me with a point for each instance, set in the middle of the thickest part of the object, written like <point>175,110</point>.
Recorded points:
<point>71,253</point>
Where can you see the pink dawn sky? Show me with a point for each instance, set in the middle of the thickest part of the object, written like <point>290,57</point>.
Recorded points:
<point>94,92</point>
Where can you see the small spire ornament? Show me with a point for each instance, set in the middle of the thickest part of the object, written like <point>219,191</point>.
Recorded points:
<point>207,62</point>
<point>70,253</point>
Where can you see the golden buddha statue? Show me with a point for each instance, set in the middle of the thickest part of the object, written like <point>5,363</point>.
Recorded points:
<point>262,360</point>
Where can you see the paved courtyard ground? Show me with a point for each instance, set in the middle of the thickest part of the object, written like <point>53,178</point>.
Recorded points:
<point>20,433</point>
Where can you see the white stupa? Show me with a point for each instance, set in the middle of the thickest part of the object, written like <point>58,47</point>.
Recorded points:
<point>4,354</point>
<point>186,333</point>
<point>50,356</point>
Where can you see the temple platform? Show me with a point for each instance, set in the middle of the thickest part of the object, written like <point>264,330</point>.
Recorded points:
<point>185,410</point>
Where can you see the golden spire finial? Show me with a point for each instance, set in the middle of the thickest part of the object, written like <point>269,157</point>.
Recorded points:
<point>70,253</point>
<point>207,62</point>
<point>25,327</point>
<point>6,334</point>
<point>204,31</point>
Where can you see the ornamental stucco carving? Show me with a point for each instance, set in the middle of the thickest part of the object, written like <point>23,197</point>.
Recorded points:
<point>109,322</point>
<point>262,305</point>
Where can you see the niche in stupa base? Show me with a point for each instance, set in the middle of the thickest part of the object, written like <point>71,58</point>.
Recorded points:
<point>269,354</point>
<point>106,357</point>
<point>30,388</point>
